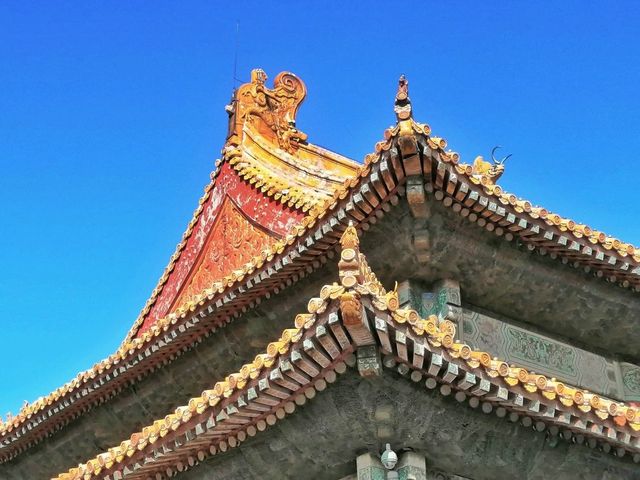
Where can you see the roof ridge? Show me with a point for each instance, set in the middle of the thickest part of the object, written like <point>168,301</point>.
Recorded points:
<point>379,163</point>
<point>580,230</point>
<point>486,174</point>
<point>136,344</point>
<point>245,105</point>
<point>356,282</point>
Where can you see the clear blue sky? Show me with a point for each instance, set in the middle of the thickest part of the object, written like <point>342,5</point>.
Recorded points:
<point>112,117</point>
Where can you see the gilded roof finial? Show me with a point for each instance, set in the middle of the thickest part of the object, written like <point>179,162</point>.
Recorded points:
<point>349,266</point>
<point>350,270</point>
<point>405,125</point>
<point>271,111</point>
<point>402,105</point>
<point>349,238</point>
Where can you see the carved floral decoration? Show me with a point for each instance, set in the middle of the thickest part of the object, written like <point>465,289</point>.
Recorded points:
<point>233,242</point>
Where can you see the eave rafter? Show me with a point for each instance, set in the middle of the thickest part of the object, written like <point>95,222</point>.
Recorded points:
<point>471,191</point>
<point>358,312</point>
<point>362,200</point>
<point>408,152</point>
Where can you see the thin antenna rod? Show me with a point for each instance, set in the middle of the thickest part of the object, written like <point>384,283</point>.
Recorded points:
<point>235,56</point>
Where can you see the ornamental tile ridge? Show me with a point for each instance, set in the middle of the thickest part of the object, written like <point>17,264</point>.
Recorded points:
<point>291,160</point>
<point>276,187</point>
<point>175,256</point>
<point>328,357</point>
<point>293,191</point>
<point>131,346</point>
<point>224,393</point>
<point>485,175</point>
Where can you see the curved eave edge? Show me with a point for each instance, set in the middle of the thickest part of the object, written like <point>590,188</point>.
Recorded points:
<point>363,200</point>
<point>271,187</point>
<point>267,273</point>
<point>485,203</point>
<point>307,357</point>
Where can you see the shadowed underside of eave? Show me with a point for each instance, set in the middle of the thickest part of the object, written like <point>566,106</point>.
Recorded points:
<point>323,437</point>
<point>391,173</point>
<point>359,315</point>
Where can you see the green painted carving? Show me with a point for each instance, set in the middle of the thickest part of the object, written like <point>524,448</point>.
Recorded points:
<point>434,303</point>
<point>371,473</point>
<point>631,378</point>
<point>537,350</point>
<point>378,474</point>
<point>409,296</point>
<point>541,354</point>
<point>414,301</point>
<point>411,471</point>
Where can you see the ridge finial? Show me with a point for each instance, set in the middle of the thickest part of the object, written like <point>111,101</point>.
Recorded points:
<point>349,238</point>
<point>271,111</point>
<point>402,105</point>
<point>349,266</point>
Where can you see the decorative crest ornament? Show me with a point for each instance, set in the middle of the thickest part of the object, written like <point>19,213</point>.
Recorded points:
<point>350,238</point>
<point>405,125</point>
<point>271,111</point>
<point>351,277</point>
<point>402,105</point>
<point>349,266</point>
<point>491,171</point>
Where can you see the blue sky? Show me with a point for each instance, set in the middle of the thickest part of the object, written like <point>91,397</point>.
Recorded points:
<point>113,115</point>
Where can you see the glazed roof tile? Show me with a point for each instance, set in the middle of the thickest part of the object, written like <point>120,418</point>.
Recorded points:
<point>133,346</point>
<point>564,224</point>
<point>318,345</point>
<point>301,177</point>
<point>381,174</point>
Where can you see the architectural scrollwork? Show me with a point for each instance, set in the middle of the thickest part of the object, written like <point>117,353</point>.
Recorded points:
<point>271,111</point>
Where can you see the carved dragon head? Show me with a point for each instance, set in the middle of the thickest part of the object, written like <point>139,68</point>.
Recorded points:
<point>491,170</point>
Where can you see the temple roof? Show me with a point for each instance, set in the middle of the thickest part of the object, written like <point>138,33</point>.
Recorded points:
<point>297,199</point>
<point>267,150</point>
<point>275,163</point>
<point>320,345</point>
